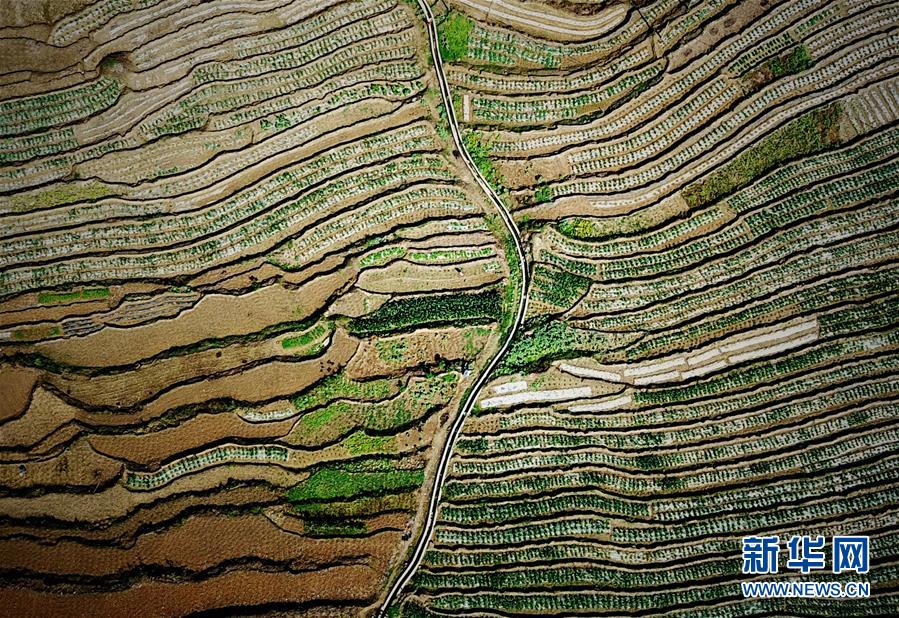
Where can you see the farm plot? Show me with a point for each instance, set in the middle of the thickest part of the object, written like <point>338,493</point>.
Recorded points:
<point>713,312</point>
<point>245,283</point>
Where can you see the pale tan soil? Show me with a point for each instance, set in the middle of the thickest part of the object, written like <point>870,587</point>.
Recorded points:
<point>151,449</point>
<point>117,501</point>
<point>452,240</point>
<point>356,303</point>
<point>552,378</point>
<point>237,588</point>
<point>737,19</point>
<point>45,414</point>
<point>25,12</point>
<point>518,173</point>
<point>48,445</point>
<point>76,466</point>
<point>440,228</point>
<point>19,57</point>
<point>563,25</point>
<point>16,384</point>
<point>271,380</point>
<point>388,521</point>
<point>131,387</point>
<point>165,512</point>
<point>25,308</point>
<point>213,316</point>
<point>244,275</point>
<point>27,83</point>
<point>422,346</point>
<point>571,206</point>
<point>191,150</point>
<point>404,277</point>
<point>199,543</point>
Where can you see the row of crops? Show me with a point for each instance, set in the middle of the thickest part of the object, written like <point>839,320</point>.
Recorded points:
<point>245,285</point>
<point>710,350</point>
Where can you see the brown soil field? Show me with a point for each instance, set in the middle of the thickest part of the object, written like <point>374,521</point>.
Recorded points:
<point>356,303</point>
<point>461,239</point>
<point>248,274</point>
<point>213,317</point>
<point>160,515</point>
<point>268,381</point>
<point>44,415</point>
<point>77,466</point>
<point>126,389</point>
<point>117,501</point>
<point>25,308</point>
<point>442,229</point>
<point>151,449</point>
<point>405,278</point>
<point>357,583</point>
<point>16,385</point>
<point>200,543</point>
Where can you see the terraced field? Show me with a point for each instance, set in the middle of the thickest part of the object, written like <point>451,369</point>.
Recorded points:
<point>245,284</point>
<point>249,286</point>
<point>709,193</point>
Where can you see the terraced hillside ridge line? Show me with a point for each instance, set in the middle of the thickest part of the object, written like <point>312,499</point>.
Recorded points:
<point>707,193</point>
<point>248,290</point>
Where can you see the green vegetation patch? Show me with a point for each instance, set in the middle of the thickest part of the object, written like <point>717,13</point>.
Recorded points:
<point>450,256</point>
<point>392,351</point>
<point>601,228</point>
<point>310,336</point>
<point>410,313</point>
<point>513,287</point>
<point>340,387</point>
<point>327,529</point>
<point>453,33</point>
<point>794,61</point>
<point>360,443</point>
<point>358,507</point>
<point>382,256</point>
<point>809,134</point>
<point>474,340</point>
<point>339,483</point>
<point>543,194</point>
<point>342,417</point>
<point>51,298</point>
<point>478,146</point>
<point>58,195</point>
<point>558,287</point>
<point>534,350</point>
